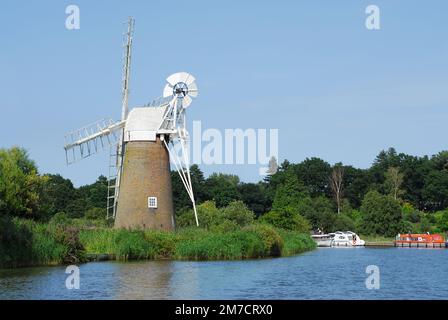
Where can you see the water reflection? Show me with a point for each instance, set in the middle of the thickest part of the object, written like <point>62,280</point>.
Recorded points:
<point>185,281</point>
<point>149,281</point>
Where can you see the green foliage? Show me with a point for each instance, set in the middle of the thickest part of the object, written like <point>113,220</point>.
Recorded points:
<point>238,212</point>
<point>234,214</point>
<point>56,194</point>
<point>289,193</point>
<point>129,244</point>
<point>222,188</point>
<point>436,189</point>
<point>20,184</point>
<point>442,220</point>
<point>253,241</point>
<point>208,214</point>
<point>181,199</point>
<point>381,215</point>
<point>221,246</point>
<point>288,219</point>
<point>314,173</point>
<point>393,182</point>
<point>344,222</point>
<point>410,214</point>
<point>254,195</point>
<point>295,243</point>
<point>272,241</point>
<point>319,211</point>
<point>25,242</point>
<point>60,218</point>
<point>95,213</point>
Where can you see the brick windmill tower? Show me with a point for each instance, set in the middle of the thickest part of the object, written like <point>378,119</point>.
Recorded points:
<point>142,144</point>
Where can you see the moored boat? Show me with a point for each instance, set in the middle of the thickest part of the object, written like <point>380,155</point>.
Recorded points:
<point>346,239</point>
<point>420,240</point>
<point>338,239</point>
<point>322,240</point>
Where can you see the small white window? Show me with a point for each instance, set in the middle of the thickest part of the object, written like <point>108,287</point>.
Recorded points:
<point>152,202</point>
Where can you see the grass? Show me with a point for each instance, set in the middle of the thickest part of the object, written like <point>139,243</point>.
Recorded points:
<point>376,239</point>
<point>295,243</point>
<point>254,241</point>
<point>29,243</point>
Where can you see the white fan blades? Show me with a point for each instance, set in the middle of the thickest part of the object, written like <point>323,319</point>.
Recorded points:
<point>183,86</point>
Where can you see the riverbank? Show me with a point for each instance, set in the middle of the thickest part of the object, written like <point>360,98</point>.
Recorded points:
<point>28,243</point>
<point>378,241</point>
<point>251,242</point>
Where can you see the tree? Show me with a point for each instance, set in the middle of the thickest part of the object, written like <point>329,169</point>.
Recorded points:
<point>288,219</point>
<point>381,214</point>
<point>289,193</point>
<point>319,211</point>
<point>435,190</point>
<point>344,222</point>
<point>336,184</point>
<point>314,174</point>
<point>180,196</point>
<point>356,183</point>
<point>394,180</point>
<point>254,196</point>
<point>20,184</point>
<point>415,170</point>
<point>95,194</point>
<point>238,213</point>
<point>56,194</point>
<point>222,188</point>
<point>442,220</point>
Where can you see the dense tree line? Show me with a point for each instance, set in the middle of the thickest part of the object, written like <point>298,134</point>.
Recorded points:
<point>398,193</point>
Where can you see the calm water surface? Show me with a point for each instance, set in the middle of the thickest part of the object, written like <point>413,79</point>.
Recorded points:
<point>326,273</point>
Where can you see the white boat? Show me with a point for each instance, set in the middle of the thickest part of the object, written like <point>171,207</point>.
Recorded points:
<point>322,240</point>
<point>338,239</point>
<point>346,239</point>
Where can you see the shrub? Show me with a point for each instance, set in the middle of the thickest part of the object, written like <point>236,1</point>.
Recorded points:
<point>15,243</point>
<point>211,217</point>
<point>286,219</point>
<point>344,223</point>
<point>208,215</point>
<point>441,218</point>
<point>25,242</point>
<point>295,243</point>
<point>95,214</point>
<point>238,212</point>
<point>60,218</point>
<point>272,241</point>
<point>225,226</point>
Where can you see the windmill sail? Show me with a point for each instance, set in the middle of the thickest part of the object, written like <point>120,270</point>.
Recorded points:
<point>91,139</point>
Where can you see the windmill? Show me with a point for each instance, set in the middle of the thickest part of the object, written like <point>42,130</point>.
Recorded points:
<point>141,146</point>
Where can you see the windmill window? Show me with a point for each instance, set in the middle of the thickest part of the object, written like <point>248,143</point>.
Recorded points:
<point>152,202</point>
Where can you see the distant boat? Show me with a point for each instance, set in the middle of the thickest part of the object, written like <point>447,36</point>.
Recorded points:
<point>420,240</point>
<point>338,239</point>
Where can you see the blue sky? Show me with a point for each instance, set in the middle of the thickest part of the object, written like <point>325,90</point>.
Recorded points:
<point>334,89</point>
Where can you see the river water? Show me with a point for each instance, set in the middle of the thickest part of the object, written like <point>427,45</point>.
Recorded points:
<point>325,273</point>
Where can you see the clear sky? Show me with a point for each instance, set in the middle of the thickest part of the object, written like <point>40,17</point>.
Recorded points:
<point>310,68</point>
